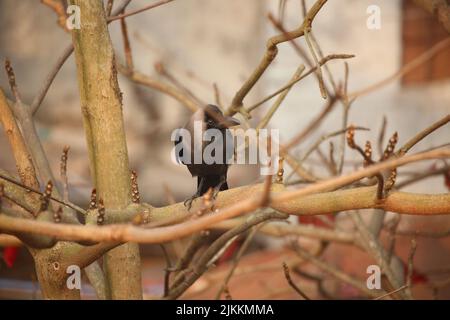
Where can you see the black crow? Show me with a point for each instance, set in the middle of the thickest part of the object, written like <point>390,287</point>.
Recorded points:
<point>212,172</point>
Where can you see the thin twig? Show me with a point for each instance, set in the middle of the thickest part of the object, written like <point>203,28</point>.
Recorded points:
<point>132,13</point>
<point>313,125</point>
<point>167,271</point>
<point>422,134</point>
<point>291,83</point>
<point>63,173</point>
<point>381,136</point>
<point>67,204</point>
<point>323,92</point>
<point>202,263</point>
<point>391,293</point>
<point>292,283</point>
<point>236,259</point>
<point>217,98</point>
<point>404,70</point>
<point>336,273</point>
<point>126,44</point>
<point>412,252</point>
<point>161,69</point>
<point>270,55</point>
<point>264,121</point>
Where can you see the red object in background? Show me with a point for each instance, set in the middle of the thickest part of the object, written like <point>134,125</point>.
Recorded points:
<point>447,179</point>
<point>416,277</point>
<point>10,255</point>
<point>229,252</point>
<point>315,221</point>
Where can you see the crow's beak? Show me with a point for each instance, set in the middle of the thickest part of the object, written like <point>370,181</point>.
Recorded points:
<point>228,122</point>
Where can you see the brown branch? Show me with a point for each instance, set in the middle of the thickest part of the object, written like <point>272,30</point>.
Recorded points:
<point>336,273</point>
<point>325,137</point>
<point>270,54</point>
<point>238,256</point>
<point>12,80</point>
<point>264,121</point>
<point>421,135</point>
<point>7,240</point>
<point>391,293</point>
<point>313,125</point>
<point>291,282</point>
<point>162,70</point>
<point>323,91</point>
<point>131,13</point>
<point>29,132</point>
<point>170,90</point>
<point>18,145</point>
<point>292,202</point>
<point>303,76</point>
<point>109,6</point>
<point>298,168</point>
<point>275,229</point>
<point>376,250</point>
<point>63,173</point>
<point>126,44</point>
<point>410,272</point>
<point>21,191</point>
<point>421,176</point>
<point>217,98</point>
<point>202,263</point>
<point>300,51</point>
<point>101,105</point>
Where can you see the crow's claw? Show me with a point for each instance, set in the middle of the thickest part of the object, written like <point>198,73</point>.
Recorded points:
<point>188,202</point>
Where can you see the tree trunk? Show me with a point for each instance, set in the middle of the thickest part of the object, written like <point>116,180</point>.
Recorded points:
<point>101,104</point>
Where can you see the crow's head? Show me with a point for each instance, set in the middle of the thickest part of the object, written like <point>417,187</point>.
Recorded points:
<point>214,118</point>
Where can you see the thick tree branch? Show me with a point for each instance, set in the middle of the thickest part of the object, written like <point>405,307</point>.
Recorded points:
<point>101,104</point>
<point>308,200</point>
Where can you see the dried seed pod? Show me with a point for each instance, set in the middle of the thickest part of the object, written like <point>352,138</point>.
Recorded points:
<point>367,154</point>
<point>10,72</point>
<point>45,197</point>
<point>57,216</point>
<point>134,188</point>
<point>64,158</point>
<point>93,202</point>
<point>391,146</point>
<point>280,172</point>
<point>101,212</point>
<point>351,137</point>
<point>391,180</point>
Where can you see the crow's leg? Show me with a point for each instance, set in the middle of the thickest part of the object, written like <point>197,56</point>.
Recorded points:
<point>222,185</point>
<point>198,193</point>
